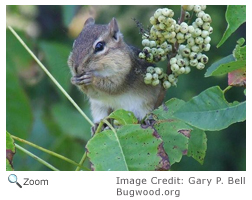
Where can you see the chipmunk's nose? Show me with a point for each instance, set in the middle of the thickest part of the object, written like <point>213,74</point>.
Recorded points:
<point>78,70</point>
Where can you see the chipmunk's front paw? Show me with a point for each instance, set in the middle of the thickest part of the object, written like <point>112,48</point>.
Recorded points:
<point>84,79</point>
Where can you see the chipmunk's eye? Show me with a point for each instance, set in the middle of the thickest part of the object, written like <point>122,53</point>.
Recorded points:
<point>99,46</point>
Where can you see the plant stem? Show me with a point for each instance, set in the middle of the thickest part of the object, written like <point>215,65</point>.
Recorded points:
<point>182,15</point>
<point>99,127</point>
<point>109,125</point>
<point>82,161</point>
<point>180,20</point>
<point>227,88</point>
<point>36,158</point>
<point>51,77</point>
<point>175,47</point>
<point>48,151</point>
<point>85,154</point>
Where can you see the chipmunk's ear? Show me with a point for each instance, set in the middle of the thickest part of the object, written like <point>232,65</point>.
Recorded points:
<point>114,29</point>
<point>89,21</point>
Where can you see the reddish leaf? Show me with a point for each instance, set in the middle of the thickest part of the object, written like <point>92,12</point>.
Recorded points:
<point>9,156</point>
<point>10,151</point>
<point>237,77</point>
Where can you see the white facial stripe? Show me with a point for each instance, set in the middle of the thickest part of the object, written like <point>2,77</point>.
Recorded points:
<point>74,43</point>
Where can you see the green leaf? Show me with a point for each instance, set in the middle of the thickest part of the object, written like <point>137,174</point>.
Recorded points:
<point>123,117</point>
<point>8,166</point>
<point>218,65</point>
<point>197,145</point>
<point>56,56</point>
<point>18,108</point>
<point>72,123</point>
<point>235,16</point>
<point>175,134</point>
<point>167,110</point>
<point>229,67</point>
<point>240,52</point>
<point>10,151</point>
<point>129,148</point>
<point>210,111</point>
<point>179,138</point>
<point>10,142</point>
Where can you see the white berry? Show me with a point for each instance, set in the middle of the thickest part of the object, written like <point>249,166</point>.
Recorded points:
<point>165,12</point>
<point>187,69</point>
<point>174,67</point>
<point>158,70</point>
<point>150,69</point>
<point>158,13</point>
<point>153,20</point>
<point>196,8</point>
<point>190,29</point>
<point>199,40</point>
<point>203,7</point>
<point>148,76</point>
<point>206,18</point>
<point>204,59</point>
<point>199,21</point>
<point>155,82</point>
<point>173,61</point>
<point>147,81</point>
<point>204,33</point>
<point>207,47</point>
<point>166,84</point>
<point>152,43</point>
<point>189,7</point>
<point>200,14</point>
<point>155,76</point>
<point>206,26</point>
<point>191,41</point>
<point>141,55</point>
<point>194,62</point>
<point>195,48</point>
<point>207,40</point>
<point>171,78</point>
<point>200,66</point>
<point>197,32</point>
<point>193,55</point>
<point>145,42</point>
<point>210,30</point>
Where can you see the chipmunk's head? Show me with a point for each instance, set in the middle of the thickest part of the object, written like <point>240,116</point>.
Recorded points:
<point>97,49</point>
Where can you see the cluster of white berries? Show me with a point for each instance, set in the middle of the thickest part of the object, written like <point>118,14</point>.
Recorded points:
<point>155,75</point>
<point>183,44</point>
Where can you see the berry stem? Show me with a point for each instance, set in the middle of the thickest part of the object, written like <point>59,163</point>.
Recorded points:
<point>141,28</point>
<point>176,45</point>
<point>161,95</point>
<point>180,20</point>
<point>190,19</point>
<point>182,16</point>
<point>168,70</point>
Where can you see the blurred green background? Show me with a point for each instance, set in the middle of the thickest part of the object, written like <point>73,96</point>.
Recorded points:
<point>38,112</point>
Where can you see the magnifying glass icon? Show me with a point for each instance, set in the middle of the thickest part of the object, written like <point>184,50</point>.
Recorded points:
<point>13,179</point>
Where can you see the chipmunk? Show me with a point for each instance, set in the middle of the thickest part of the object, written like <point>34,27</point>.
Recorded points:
<point>110,72</point>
